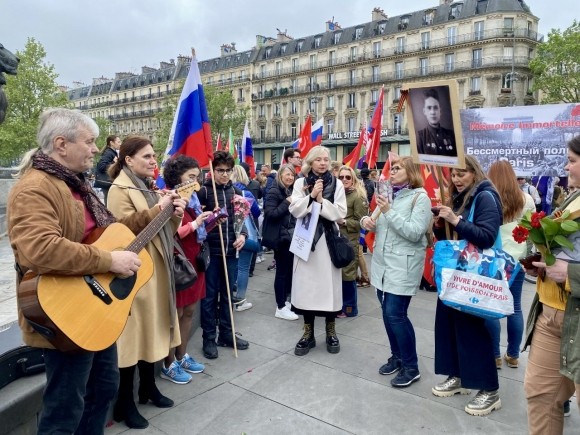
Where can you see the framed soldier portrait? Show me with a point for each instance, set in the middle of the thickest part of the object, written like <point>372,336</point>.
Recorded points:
<point>434,124</point>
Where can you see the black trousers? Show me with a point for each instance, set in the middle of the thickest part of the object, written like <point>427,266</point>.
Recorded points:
<point>464,348</point>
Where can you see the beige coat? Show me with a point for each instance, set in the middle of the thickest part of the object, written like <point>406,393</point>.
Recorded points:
<point>316,283</point>
<point>147,335</point>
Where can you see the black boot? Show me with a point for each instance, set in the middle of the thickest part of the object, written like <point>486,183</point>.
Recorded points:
<point>307,341</point>
<point>332,343</point>
<point>147,388</point>
<point>125,408</point>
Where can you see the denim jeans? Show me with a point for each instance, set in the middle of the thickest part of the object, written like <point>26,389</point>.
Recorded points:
<point>79,390</point>
<point>349,298</point>
<point>243,272</point>
<point>399,328</point>
<point>515,322</point>
<point>216,297</point>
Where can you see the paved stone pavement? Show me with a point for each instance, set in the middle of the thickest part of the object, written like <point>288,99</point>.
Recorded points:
<point>269,390</point>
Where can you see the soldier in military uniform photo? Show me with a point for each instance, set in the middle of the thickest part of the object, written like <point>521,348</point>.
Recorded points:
<point>435,139</point>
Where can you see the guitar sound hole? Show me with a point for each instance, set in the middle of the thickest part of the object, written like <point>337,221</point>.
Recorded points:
<point>122,287</point>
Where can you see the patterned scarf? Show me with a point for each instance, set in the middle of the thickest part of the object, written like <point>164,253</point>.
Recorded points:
<point>397,188</point>
<point>78,183</point>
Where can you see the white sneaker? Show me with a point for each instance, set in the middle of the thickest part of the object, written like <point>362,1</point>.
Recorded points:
<point>259,259</point>
<point>285,314</point>
<point>289,305</point>
<point>243,307</point>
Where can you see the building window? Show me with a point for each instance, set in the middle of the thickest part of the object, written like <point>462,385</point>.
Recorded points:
<point>508,54</point>
<point>277,109</point>
<point>376,73</point>
<point>397,93</point>
<point>400,45</point>
<point>377,49</point>
<point>478,30</point>
<point>262,133</point>
<point>312,84</point>
<point>332,58</point>
<point>262,72</point>
<point>277,132</point>
<point>506,81</point>
<point>428,18</point>
<point>268,51</point>
<point>312,61</point>
<point>476,84</point>
<point>404,22</point>
<point>508,26</point>
<point>455,11</point>
<point>330,126</point>
<point>382,27</point>
<point>399,70</point>
<point>294,65</point>
<point>352,77</point>
<point>352,53</point>
<point>261,111</point>
<point>351,123</point>
<point>330,82</point>
<point>424,66</point>
<point>449,62</point>
<point>337,37</point>
<point>351,100</point>
<point>330,102</point>
<point>293,130</point>
<point>452,35</point>
<point>299,45</point>
<point>425,38</point>
<point>358,33</point>
<point>317,40</point>
<point>283,48</point>
<point>293,110</point>
<point>312,104</point>
<point>397,123</point>
<point>476,58</point>
<point>293,86</point>
<point>374,95</point>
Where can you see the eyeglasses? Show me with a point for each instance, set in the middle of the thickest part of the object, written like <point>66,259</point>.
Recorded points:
<point>297,157</point>
<point>345,177</point>
<point>396,168</point>
<point>224,171</point>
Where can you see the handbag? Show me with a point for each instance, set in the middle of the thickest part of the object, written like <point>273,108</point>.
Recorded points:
<point>474,280</point>
<point>252,242</point>
<point>202,259</point>
<point>339,247</point>
<point>184,273</point>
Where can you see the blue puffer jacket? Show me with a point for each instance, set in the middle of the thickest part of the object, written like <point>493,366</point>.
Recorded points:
<point>487,218</point>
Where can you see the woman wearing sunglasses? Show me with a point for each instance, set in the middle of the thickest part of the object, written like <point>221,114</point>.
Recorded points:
<point>397,265</point>
<point>357,206</point>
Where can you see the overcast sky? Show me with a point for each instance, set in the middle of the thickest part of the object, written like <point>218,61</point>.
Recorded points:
<point>86,39</point>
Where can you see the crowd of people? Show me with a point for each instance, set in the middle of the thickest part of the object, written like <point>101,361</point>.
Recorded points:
<point>82,386</point>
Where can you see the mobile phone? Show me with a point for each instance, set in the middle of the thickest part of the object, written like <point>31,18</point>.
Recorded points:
<point>211,220</point>
<point>435,211</point>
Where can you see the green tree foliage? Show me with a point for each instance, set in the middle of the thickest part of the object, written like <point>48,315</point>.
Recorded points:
<point>104,129</point>
<point>31,91</point>
<point>222,109</point>
<point>556,67</point>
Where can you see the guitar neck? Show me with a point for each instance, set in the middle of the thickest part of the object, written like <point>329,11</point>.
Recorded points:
<point>150,230</point>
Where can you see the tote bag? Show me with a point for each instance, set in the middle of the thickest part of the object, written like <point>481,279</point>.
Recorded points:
<point>474,280</point>
<point>252,242</point>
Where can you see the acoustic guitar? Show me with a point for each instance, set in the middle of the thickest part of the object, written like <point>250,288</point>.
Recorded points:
<point>90,312</point>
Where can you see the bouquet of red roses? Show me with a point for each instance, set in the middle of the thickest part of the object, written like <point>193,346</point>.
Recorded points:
<point>546,232</point>
<point>241,211</point>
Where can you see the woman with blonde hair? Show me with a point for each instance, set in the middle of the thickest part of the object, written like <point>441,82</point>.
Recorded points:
<point>317,283</point>
<point>356,207</point>
<point>513,200</point>
<point>397,265</point>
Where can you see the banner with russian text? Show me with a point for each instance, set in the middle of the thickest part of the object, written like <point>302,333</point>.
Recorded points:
<point>532,138</point>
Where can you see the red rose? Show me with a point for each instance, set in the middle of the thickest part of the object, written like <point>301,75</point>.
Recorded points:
<point>535,219</point>
<point>520,234</point>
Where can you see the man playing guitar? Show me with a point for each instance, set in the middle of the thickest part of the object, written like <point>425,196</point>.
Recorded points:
<point>51,210</point>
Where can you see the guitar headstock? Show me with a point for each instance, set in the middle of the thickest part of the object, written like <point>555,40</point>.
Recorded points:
<point>185,190</point>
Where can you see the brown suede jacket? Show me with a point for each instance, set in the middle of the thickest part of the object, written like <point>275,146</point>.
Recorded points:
<point>46,225</point>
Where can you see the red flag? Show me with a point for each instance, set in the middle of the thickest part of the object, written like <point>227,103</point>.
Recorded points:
<point>306,137</point>
<point>375,130</point>
<point>357,153</point>
<point>385,175</point>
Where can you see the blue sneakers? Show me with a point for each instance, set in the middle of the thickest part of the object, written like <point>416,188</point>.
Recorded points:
<point>175,374</point>
<point>190,365</point>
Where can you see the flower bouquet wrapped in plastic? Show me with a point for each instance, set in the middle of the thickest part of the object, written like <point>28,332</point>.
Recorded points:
<point>241,211</point>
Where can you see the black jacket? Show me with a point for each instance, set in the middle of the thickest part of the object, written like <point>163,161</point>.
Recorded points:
<point>278,221</point>
<point>487,217</point>
<point>106,160</point>
<point>225,193</point>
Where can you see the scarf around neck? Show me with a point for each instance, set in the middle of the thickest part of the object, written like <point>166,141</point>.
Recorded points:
<point>78,183</point>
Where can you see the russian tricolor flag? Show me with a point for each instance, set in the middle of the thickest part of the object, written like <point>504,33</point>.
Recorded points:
<point>190,133</point>
<point>247,154</point>
<point>316,134</point>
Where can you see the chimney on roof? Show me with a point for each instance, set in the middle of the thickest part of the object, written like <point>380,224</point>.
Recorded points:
<point>100,80</point>
<point>227,49</point>
<point>147,69</point>
<point>165,65</point>
<point>445,2</point>
<point>332,25</point>
<point>123,75</point>
<point>283,36</point>
<point>379,15</point>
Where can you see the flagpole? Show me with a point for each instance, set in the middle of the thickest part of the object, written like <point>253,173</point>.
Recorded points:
<point>230,304</point>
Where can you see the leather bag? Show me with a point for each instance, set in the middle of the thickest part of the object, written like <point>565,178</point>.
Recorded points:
<point>339,247</point>
<point>203,257</point>
<point>184,273</point>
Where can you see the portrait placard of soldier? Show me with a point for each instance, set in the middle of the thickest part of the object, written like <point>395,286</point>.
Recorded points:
<point>434,124</point>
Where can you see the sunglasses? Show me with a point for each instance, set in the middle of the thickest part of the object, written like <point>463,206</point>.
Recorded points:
<point>345,177</point>
<point>396,168</point>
